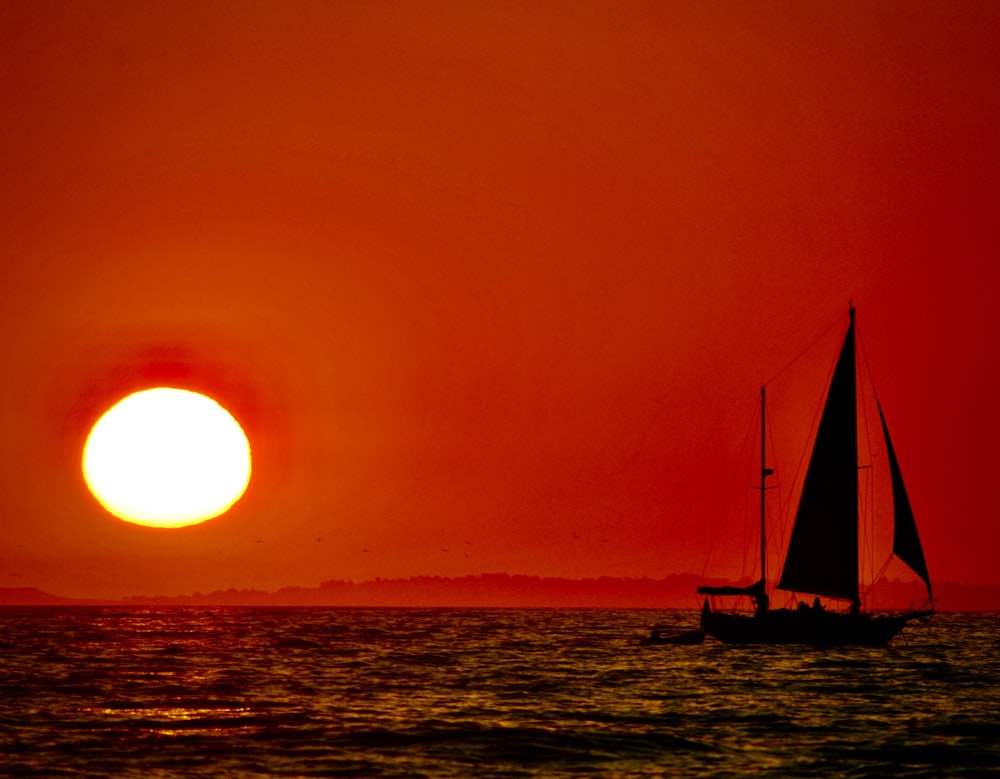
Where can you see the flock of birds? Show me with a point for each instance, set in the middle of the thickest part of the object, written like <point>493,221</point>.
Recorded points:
<point>575,535</point>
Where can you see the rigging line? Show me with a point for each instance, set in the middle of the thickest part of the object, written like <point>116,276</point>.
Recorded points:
<point>800,473</point>
<point>864,356</point>
<point>750,528</point>
<point>750,542</point>
<point>811,437</point>
<point>799,356</point>
<point>740,461</point>
<point>870,523</point>
<point>871,588</point>
<point>784,507</point>
<point>869,515</point>
<point>776,524</point>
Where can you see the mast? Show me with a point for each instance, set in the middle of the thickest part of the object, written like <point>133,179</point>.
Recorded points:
<point>763,478</point>
<point>758,590</point>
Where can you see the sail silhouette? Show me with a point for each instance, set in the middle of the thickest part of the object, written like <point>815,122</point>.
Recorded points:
<point>905,539</point>
<point>822,556</point>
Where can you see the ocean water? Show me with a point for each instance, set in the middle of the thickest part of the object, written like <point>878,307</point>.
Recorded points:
<point>462,692</point>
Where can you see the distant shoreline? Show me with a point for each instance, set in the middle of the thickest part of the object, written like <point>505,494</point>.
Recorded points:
<point>500,590</point>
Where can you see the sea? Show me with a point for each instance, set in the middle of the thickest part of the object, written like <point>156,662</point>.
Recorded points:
<point>317,692</point>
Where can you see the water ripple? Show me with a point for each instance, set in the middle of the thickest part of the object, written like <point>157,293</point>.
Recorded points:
<point>460,692</point>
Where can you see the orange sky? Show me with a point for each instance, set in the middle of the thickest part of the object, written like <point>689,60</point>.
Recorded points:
<point>497,278</point>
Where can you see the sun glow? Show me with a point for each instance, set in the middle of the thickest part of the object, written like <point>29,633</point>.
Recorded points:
<point>167,457</point>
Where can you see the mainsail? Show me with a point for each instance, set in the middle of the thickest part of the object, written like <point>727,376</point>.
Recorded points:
<point>822,556</point>
<point>905,540</point>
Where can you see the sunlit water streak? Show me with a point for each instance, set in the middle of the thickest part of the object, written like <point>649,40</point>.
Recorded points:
<point>462,692</point>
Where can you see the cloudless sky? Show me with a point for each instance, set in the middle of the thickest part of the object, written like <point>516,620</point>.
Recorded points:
<point>501,279</point>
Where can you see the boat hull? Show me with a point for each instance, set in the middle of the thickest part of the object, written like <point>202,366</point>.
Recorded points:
<point>805,626</point>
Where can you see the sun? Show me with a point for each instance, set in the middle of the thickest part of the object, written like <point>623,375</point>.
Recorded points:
<point>167,457</point>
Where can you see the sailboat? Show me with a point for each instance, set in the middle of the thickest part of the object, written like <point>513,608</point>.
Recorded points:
<point>822,555</point>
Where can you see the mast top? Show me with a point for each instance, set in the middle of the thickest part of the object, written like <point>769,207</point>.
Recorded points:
<point>850,303</point>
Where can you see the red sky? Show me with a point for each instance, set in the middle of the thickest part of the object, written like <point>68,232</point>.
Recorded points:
<point>497,278</point>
